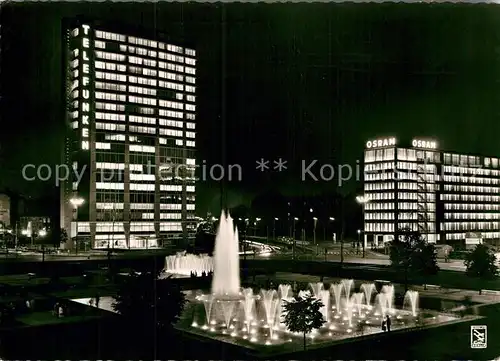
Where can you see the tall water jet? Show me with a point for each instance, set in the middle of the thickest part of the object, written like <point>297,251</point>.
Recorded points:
<point>316,289</point>
<point>226,278</point>
<point>270,302</point>
<point>411,300</point>
<point>368,289</point>
<point>248,307</point>
<point>381,302</point>
<point>357,301</point>
<point>389,291</point>
<point>227,310</point>
<point>324,296</point>
<point>336,289</point>
<point>348,284</point>
<point>349,307</point>
<point>284,291</point>
<point>207,303</point>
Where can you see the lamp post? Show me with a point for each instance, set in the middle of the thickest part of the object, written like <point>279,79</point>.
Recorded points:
<point>257,220</point>
<point>76,202</point>
<point>362,200</point>
<point>295,219</point>
<point>42,234</point>
<point>274,228</point>
<point>315,219</point>
<point>245,241</point>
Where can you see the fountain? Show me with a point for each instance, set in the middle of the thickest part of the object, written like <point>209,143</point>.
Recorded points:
<point>357,301</point>
<point>368,289</point>
<point>337,292</point>
<point>389,291</point>
<point>348,284</point>
<point>187,264</point>
<point>324,297</point>
<point>246,315</point>
<point>411,300</point>
<point>248,307</point>
<point>316,289</point>
<point>226,279</point>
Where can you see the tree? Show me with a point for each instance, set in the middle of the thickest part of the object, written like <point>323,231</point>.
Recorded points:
<point>144,300</point>
<point>64,236</point>
<point>412,255</point>
<point>480,263</point>
<point>303,314</point>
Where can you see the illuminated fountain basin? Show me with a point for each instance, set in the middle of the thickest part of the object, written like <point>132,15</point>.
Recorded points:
<point>255,316</point>
<point>187,264</point>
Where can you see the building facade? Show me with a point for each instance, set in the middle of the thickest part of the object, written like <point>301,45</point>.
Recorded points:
<point>131,116</point>
<point>449,197</point>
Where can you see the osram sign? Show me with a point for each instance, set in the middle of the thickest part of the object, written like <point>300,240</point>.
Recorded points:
<point>379,143</point>
<point>426,144</point>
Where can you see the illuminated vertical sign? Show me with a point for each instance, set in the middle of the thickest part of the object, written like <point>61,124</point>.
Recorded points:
<point>85,107</point>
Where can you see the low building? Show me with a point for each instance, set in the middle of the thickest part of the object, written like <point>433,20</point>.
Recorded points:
<point>5,210</point>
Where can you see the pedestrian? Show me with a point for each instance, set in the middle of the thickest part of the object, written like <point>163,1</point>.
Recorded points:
<point>388,322</point>
<point>97,299</point>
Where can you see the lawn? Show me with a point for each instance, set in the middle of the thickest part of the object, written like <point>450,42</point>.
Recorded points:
<point>47,318</point>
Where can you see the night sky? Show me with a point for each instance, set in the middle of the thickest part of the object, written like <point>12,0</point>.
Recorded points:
<point>300,82</point>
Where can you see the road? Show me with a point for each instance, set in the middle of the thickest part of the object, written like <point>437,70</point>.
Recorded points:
<point>371,259</point>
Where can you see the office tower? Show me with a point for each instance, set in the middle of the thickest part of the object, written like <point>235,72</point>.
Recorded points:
<point>131,110</point>
<point>449,197</point>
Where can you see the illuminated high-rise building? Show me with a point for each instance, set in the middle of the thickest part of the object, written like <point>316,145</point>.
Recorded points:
<point>131,115</point>
<point>448,197</point>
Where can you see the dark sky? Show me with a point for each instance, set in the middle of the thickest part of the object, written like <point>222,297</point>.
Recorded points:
<point>294,81</point>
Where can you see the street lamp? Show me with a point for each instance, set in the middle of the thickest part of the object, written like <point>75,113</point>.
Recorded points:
<point>362,200</point>
<point>257,220</point>
<point>76,202</point>
<point>315,219</point>
<point>42,233</point>
<point>274,227</point>
<point>295,219</point>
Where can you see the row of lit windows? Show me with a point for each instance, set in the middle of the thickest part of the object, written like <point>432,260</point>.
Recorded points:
<point>110,36</point>
<point>110,66</point>
<point>379,216</point>
<point>172,104</point>
<point>140,90</point>
<point>111,96</point>
<point>143,81</point>
<point>379,206</point>
<point>142,148</point>
<point>162,216</point>
<point>142,206</point>
<point>102,146</point>
<point>143,187</point>
<point>111,127</point>
<point>379,176</point>
<point>471,179</point>
<point>379,166</point>
<point>462,236</point>
<point>379,186</point>
<point>141,100</point>
<point>471,207</point>
<point>472,215</point>
<point>379,227</point>
<point>109,86</point>
<point>171,132</point>
<point>471,189</point>
<point>460,159</point>
<point>143,120</point>
<point>471,170</point>
<point>110,116</point>
<point>379,155</point>
<point>405,195</point>
<point>172,123</point>
<point>139,129</point>
<point>170,113</point>
<point>469,198</point>
<point>469,226</point>
<point>83,227</point>
<point>110,56</point>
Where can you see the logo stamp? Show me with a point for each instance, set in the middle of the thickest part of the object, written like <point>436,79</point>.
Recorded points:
<point>478,336</point>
